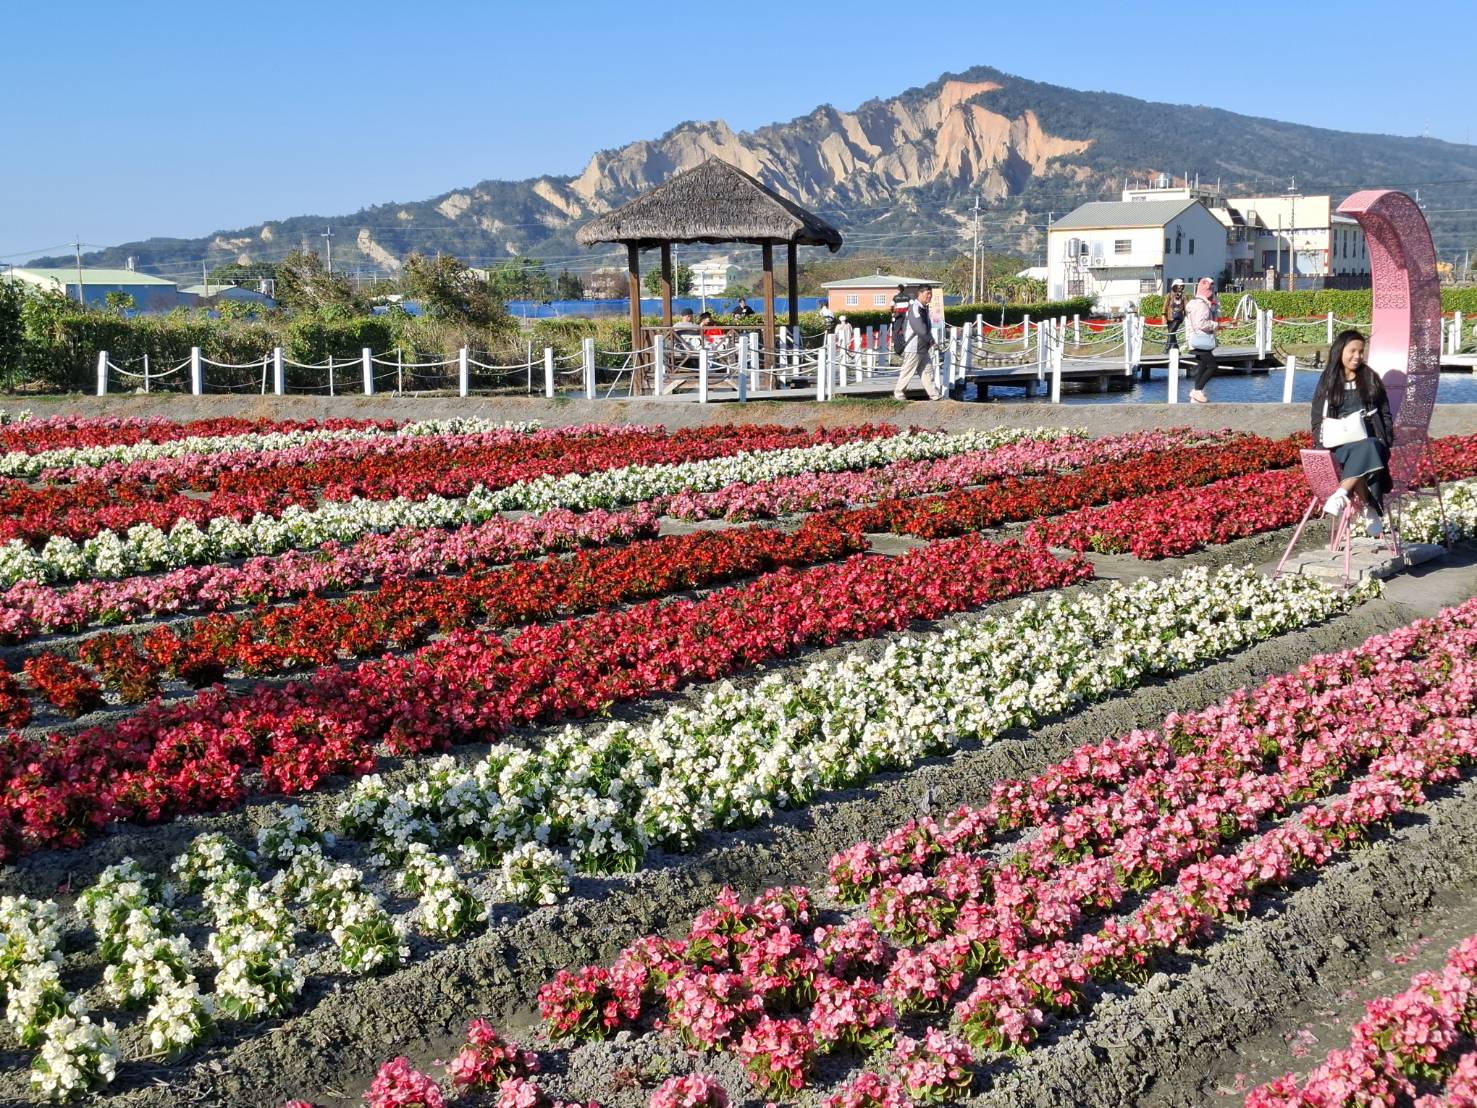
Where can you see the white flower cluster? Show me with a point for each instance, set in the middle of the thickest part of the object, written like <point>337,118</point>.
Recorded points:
<point>1421,520</point>
<point>77,1056</point>
<point>30,967</point>
<point>7,416</point>
<point>534,875</point>
<point>448,908</point>
<point>289,836</point>
<point>740,753</point>
<point>332,898</point>
<point>146,548</point>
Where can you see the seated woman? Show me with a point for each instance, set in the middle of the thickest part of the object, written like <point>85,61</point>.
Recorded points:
<point>1351,416</point>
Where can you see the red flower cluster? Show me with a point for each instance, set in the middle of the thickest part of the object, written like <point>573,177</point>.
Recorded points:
<point>1015,499</point>
<point>63,684</point>
<point>420,468</point>
<point>34,436</point>
<point>1177,817</point>
<point>475,685</point>
<point>15,708</point>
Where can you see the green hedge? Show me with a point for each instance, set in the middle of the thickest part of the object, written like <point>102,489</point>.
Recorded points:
<point>1351,304</point>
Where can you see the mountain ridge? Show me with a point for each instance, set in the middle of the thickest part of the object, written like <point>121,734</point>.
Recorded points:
<point>894,173</point>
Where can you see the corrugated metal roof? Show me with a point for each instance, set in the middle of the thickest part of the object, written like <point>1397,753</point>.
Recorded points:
<point>876,281</point>
<point>68,276</point>
<point>1105,214</point>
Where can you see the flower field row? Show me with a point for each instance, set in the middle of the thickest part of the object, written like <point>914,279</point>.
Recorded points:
<point>813,492</point>
<point>400,468</point>
<point>405,612</point>
<point>731,759</point>
<point>987,949</point>
<point>28,609</point>
<point>114,460</point>
<point>1418,1039</point>
<point>474,685</point>
<point>146,548</point>
<point>31,435</point>
<point>502,809</point>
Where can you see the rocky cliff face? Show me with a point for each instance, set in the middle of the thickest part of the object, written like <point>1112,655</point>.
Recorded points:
<point>911,163</point>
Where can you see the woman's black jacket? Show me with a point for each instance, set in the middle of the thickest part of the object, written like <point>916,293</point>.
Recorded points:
<point>1381,424</point>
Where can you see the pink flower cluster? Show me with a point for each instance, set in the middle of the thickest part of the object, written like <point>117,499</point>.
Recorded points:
<point>1407,1048</point>
<point>34,436</point>
<point>691,1090</point>
<point>1326,755</point>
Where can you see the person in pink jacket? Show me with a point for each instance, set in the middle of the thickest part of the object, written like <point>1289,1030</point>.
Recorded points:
<point>1200,325</point>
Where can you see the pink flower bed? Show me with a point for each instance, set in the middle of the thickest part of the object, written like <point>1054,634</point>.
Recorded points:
<point>986,951</point>
<point>33,436</point>
<point>1414,1047</point>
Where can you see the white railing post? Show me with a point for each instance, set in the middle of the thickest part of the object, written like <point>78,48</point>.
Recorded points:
<point>1261,333</point>
<point>946,368</point>
<point>797,347</point>
<point>146,374</point>
<point>330,375</point>
<point>367,356</point>
<point>102,373</point>
<point>1127,345</point>
<point>279,373</point>
<point>463,371</point>
<point>1026,333</point>
<point>1056,376</point>
<point>659,363</point>
<point>197,373</point>
<point>1292,368</point>
<point>742,370</point>
<point>1330,328</point>
<point>1174,374</point>
<point>548,371</point>
<point>1456,333</point>
<point>1077,329</point>
<point>702,375</point>
<point>587,352</point>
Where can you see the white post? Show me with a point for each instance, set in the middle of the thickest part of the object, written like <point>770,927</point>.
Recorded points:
<point>872,333</point>
<point>659,362</point>
<point>1330,328</point>
<point>548,371</point>
<point>1292,368</point>
<point>102,373</point>
<point>1041,366</point>
<point>1456,333</point>
<point>702,375</point>
<point>946,368</point>
<point>368,359</point>
<point>1128,345</point>
<point>742,370</point>
<point>1261,333</point>
<point>197,373</point>
<point>1056,378</point>
<point>587,351</point>
<point>463,371</point>
<point>399,371</point>
<point>749,349</point>
<point>797,346</point>
<point>146,374</point>
<point>1174,374</point>
<point>330,375</point>
<point>1026,333</point>
<point>1077,330</point>
<point>279,373</point>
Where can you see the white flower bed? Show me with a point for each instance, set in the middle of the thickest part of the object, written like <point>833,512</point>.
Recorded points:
<point>17,463</point>
<point>1421,520</point>
<point>740,753</point>
<point>146,548</point>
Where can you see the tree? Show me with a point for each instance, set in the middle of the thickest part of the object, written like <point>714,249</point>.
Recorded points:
<point>12,327</point>
<point>119,301</point>
<point>568,286</point>
<point>447,290</point>
<point>520,279</point>
<point>681,280</point>
<point>303,285</point>
<point>237,273</point>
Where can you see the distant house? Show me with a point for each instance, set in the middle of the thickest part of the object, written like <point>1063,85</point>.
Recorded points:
<point>150,294</point>
<point>867,293</point>
<point>711,276</point>
<point>209,295</point>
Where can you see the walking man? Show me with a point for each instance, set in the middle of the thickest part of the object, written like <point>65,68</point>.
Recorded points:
<point>918,349</point>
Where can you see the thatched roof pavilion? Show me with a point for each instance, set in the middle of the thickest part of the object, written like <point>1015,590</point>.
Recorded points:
<point>712,202</point>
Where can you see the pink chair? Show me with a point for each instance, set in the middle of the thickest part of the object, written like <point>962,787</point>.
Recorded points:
<point>1322,473</point>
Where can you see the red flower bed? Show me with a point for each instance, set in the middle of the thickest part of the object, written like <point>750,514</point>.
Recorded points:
<point>475,686</point>
<point>33,436</point>
<point>402,613</point>
<point>81,510</point>
<point>71,690</point>
<point>1013,500</point>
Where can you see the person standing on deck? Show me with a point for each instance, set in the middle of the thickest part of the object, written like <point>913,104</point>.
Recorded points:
<point>918,349</point>
<point>1174,313</point>
<point>1201,325</point>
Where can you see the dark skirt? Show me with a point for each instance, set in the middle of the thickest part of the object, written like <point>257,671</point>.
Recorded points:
<point>1367,458</point>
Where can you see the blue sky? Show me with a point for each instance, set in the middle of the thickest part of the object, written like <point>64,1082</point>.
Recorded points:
<point>165,118</point>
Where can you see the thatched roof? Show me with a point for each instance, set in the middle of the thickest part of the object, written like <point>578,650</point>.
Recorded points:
<point>711,202</point>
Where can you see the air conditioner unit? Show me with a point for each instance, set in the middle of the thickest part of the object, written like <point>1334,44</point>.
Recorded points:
<point>1097,260</point>
<point>1073,246</point>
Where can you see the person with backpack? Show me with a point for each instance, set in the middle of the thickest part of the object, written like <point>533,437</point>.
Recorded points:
<point>913,338</point>
<point>1201,325</point>
<point>1174,313</point>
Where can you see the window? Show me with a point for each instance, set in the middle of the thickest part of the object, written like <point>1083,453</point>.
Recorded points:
<point>853,299</point>
<point>1148,284</point>
<point>1167,246</point>
<point>1123,246</point>
<point>1076,286</point>
<point>1192,246</point>
<point>879,299</point>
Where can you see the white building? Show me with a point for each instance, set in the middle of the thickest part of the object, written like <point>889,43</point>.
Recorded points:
<point>1305,237</point>
<point>1119,251</point>
<point>711,276</point>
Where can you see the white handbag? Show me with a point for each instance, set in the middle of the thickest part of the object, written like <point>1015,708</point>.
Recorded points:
<point>1344,429</point>
<point>1202,340</point>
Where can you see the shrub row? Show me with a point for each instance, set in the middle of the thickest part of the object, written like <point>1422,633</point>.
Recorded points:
<point>1350,304</point>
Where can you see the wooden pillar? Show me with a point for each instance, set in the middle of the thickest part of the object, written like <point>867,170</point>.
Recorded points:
<point>794,283</point>
<point>633,290</point>
<point>767,291</point>
<point>666,284</point>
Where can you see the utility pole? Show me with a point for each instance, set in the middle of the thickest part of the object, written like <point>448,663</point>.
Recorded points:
<point>327,237</point>
<point>974,256</point>
<point>77,246</point>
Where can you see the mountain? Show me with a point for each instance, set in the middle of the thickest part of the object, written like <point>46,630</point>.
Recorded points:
<point>896,175</point>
